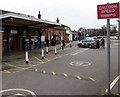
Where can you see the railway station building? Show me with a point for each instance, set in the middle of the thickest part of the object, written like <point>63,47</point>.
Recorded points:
<point>17,31</point>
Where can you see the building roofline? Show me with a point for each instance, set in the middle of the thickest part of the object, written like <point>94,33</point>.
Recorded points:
<point>27,17</point>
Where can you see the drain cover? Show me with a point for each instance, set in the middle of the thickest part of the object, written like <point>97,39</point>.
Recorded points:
<point>80,63</point>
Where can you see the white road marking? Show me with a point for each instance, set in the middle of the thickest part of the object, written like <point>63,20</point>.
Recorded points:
<point>80,63</point>
<point>113,83</point>
<point>79,52</point>
<point>28,91</point>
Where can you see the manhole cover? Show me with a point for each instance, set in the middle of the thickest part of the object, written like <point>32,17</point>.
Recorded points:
<point>80,63</point>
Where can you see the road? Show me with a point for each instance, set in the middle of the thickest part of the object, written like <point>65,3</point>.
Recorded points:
<point>73,71</point>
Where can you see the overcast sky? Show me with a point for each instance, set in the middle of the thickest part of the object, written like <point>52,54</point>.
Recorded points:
<point>73,13</point>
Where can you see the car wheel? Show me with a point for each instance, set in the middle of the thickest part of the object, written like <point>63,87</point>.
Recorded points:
<point>79,45</point>
<point>90,46</point>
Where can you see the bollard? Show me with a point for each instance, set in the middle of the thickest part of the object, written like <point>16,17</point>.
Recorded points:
<point>42,54</point>
<point>26,56</point>
<point>55,50</point>
<point>36,70</point>
<point>46,50</point>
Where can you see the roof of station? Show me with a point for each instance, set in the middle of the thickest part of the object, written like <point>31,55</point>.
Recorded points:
<point>22,20</point>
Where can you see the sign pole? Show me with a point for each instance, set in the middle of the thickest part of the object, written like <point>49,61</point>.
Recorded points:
<point>108,11</point>
<point>108,54</point>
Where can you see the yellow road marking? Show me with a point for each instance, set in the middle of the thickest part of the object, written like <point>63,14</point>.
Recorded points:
<point>44,71</point>
<point>38,59</point>
<point>91,79</point>
<point>78,77</point>
<point>36,70</point>
<point>53,73</point>
<point>14,66</point>
<point>65,74</point>
<point>6,71</point>
<point>47,59</point>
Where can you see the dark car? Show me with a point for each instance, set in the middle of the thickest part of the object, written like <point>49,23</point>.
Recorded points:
<point>87,43</point>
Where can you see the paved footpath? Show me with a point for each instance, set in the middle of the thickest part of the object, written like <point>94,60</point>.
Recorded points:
<point>16,61</point>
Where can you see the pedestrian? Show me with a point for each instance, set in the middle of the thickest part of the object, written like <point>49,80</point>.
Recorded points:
<point>62,44</point>
<point>36,43</point>
<point>102,42</point>
<point>53,42</point>
<point>98,44</point>
<point>47,42</point>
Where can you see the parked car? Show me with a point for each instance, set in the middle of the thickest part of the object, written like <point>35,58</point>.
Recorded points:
<point>114,37</point>
<point>87,43</point>
<point>91,38</point>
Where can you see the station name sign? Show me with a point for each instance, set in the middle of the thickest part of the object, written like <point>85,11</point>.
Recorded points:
<point>108,11</point>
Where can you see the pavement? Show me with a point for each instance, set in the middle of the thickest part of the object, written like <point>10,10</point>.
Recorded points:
<point>15,61</point>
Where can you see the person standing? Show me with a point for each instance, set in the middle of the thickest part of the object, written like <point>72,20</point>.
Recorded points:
<point>98,44</point>
<point>47,42</point>
<point>102,43</point>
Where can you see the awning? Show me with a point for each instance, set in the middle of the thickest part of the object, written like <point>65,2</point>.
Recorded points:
<point>21,20</point>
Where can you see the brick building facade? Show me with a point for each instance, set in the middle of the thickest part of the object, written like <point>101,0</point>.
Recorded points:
<point>21,30</point>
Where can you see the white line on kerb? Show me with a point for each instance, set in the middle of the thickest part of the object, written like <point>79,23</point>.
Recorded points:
<point>8,90</point>
<point>113,83</point>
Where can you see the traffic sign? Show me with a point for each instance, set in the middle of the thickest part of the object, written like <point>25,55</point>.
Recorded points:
<point>108,11</point>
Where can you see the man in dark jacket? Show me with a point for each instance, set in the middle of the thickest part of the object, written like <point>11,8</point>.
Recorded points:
<point>98,44</point>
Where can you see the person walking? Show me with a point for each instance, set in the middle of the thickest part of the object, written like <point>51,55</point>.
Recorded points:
<point>98,44</point>
<point>102,43</point>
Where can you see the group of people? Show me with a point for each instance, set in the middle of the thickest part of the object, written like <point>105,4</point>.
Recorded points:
<point>100,43</point>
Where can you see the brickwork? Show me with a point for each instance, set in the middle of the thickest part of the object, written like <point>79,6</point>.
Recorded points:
<point>1,40</point>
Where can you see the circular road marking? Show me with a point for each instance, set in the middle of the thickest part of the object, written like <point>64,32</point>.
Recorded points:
<point>80,63</point>
<point>24,90</point>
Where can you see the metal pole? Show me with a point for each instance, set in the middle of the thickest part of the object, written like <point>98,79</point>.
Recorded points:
<point>47,50</point>
<point>108,54</point>
<point>55,50</point>
<point>26,54</point>
<point>42,54</point>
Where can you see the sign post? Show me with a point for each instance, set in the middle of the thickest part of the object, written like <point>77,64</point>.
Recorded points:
<point>108,11</point>
<point>108,54</point>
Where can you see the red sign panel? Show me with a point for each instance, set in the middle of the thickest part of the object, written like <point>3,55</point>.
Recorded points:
<point>107,11</point>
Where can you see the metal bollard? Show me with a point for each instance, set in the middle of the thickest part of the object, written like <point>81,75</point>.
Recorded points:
<point>46,50</point>
<point>26,56</point>
<point>42,54</point>
<point>55,50</point>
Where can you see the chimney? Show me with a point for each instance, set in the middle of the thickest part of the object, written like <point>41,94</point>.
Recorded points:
<point>39,15</point>
<point>57,20</point>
